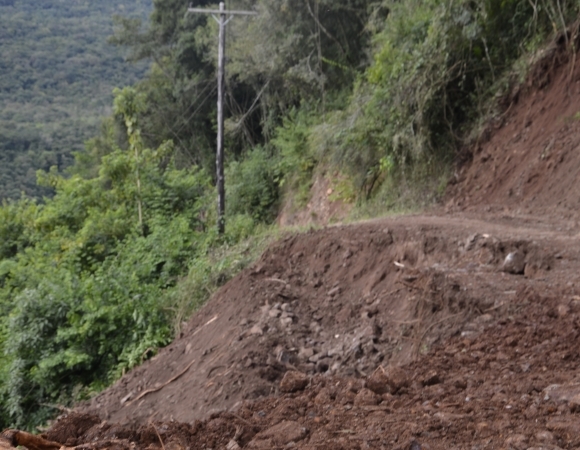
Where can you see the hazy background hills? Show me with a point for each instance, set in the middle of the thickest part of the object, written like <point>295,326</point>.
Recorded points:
<point>57,73</point>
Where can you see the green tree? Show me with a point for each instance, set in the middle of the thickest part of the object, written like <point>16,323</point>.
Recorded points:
<point>83,282</point>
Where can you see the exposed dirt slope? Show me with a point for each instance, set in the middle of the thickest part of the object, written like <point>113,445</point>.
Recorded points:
<point>402,333</point>
<point>529,160</point>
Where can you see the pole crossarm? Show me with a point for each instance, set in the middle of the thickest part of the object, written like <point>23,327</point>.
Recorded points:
<point>217,11</point>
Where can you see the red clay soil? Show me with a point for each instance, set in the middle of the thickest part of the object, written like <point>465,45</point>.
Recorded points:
<point>339,301</point>
<point>528,160</point>
<point>404,333</point>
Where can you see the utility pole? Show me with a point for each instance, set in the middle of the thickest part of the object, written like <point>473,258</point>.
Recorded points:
<point>222,20</point>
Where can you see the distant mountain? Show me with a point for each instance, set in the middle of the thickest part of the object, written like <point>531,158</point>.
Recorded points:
<point>57,73</point>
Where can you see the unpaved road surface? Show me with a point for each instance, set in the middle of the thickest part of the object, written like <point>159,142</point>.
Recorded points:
<point>400,333</point>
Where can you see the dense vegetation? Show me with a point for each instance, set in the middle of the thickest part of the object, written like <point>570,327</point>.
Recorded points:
<point>382,91</point>
<point>57,74</point>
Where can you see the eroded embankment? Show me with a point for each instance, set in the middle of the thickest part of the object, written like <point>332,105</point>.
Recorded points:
<point>506,378</point>
<point>339,301</point>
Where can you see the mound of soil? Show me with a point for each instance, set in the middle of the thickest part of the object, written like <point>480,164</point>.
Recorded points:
<point>512,384</point>
<point>339,301</point>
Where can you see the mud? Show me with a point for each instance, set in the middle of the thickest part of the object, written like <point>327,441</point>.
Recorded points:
<point>403,333</point>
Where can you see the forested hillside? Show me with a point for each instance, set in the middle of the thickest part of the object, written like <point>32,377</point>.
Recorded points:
<point>380,93</point>
<point>57,73</point>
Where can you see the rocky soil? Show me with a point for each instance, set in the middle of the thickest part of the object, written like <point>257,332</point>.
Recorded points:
<point>512,384</point>
<point>457,329</point>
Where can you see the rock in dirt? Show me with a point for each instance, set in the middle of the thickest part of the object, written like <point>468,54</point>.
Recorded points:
<point>305,352</point>
<point>366,397</point>
<point>257,330</point>
<point>378,382</point>
<point>563,310</point>
<point>471,241</point>
<point>431,379</point>
<point>564,393</point>
<point>334,291</point>
<point>545,436</point>
<point>517,441</point>
<point>293,381</point>
<point>414,445</point>
<point>387,380</point>
<point>515,263</point>
<point>233,445</point>
<point>568,427</point>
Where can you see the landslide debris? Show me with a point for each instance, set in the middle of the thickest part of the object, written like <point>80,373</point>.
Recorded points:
<point>514,385</point>
<point>526,163</point>
<point>340,301</point>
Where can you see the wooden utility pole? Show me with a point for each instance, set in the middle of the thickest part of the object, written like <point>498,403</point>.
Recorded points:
<point>222,20</point>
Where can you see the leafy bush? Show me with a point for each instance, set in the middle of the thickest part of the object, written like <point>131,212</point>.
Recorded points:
<point>434,62</point>
<point>252,187</point>
<point>84,277</point>
<point>15,217</point>
<point>297,157</point>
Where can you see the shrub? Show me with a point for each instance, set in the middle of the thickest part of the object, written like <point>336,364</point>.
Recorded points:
<point>434,62</point>
<point>251,186</point>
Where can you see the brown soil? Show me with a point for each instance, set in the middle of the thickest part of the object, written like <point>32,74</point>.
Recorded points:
<point>512,383</point>
<point>324,206</point>
<point>528,162</point>
<point>400,333</point>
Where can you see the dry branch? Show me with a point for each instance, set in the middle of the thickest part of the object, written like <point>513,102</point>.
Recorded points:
<point>150,391</point>
<point>16,438</point>
<point>158,436</point>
